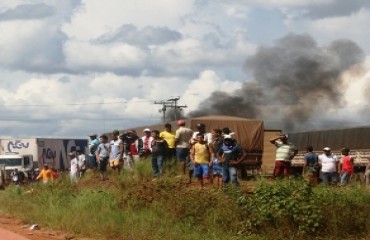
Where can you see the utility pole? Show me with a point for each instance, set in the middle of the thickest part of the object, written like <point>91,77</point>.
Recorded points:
<point>169,103</point>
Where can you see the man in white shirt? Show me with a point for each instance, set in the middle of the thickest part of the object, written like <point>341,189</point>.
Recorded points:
<point>329,166</point>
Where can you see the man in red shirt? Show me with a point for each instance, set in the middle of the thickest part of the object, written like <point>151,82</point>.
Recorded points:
<point>346,166</point>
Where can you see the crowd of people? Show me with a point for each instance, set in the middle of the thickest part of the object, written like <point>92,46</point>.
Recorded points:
<point>326,167</point>
<point>208,156</point>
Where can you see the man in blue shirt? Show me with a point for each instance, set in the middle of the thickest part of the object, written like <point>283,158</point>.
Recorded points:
<point>93,146</point>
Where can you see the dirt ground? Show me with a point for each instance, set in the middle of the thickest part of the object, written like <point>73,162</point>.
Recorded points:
<point>15,225</point>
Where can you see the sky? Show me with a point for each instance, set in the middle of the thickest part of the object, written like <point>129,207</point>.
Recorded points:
<point>74,67</point>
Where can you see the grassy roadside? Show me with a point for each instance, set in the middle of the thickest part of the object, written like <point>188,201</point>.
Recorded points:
<point>131,206</point>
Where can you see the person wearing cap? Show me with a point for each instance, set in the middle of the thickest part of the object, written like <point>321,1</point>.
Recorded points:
<point>346,166</point>
<point>93,145</point>
<point>230,156</point>
<point>182,139</point>
<point>45,174</point>
<point>169,136</point>
<point>116,151</point>
<point>329,166</point>
<point>201,127</point>
<point>74,168</point>
<point>285,152</point>
<point>147,140</point>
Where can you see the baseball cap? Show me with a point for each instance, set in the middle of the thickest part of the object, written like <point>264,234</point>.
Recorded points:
<point>327,149</point>
<point>146,130</point>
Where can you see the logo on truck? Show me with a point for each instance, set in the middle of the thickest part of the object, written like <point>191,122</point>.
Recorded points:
<point>17,144</point>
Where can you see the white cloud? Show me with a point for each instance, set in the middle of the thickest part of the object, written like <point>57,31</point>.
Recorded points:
<point>353,27</point>
<point>126,54</point>
<point>94,18</point>
<point>201,88</point>
<point>108,57</point>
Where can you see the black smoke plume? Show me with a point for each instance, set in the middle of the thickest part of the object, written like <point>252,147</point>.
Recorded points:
<point>295,83</point>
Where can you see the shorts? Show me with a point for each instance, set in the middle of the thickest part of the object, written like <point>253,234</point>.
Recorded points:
<point>201,170</point>
<point>182,154</point>
<point>282,168</point>
<point>102,164</point>
<point>92,161</point>
<point>114,163</point>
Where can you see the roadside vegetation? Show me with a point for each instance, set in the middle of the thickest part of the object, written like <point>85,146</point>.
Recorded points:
<point>131,206</point>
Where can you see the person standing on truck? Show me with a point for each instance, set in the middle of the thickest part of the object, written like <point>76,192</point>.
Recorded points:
<point>45,175</point>
<point>285,152</point>
<point>93,145</point>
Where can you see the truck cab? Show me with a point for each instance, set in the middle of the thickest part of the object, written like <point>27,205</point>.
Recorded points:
<point>12,161</point>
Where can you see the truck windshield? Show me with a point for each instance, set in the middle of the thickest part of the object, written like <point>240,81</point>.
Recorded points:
<point>11,161</point>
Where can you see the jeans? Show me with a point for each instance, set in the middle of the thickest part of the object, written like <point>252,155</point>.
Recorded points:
<point>333,176</point>
<point>344,180</point>
<point>229,174</point>
<point>157,165</point>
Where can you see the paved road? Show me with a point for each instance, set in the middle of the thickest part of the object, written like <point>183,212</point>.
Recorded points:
<point>8,235</point>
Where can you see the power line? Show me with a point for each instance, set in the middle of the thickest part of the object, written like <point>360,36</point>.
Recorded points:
<point>73,104</point>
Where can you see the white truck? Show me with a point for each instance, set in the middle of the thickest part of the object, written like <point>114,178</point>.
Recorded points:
<point>11,161</point>
<point>39,151</point>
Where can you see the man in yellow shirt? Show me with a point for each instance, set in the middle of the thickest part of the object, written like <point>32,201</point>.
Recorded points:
<point>169,136</point>
<point>200,156</point>
<point>45,174</point>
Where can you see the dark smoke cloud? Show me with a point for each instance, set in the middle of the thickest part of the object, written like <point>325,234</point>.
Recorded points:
<point>295,80</point>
